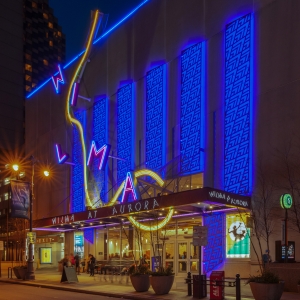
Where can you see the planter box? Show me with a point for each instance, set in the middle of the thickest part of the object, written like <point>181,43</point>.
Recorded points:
<point>267,290</point>
<point>162,284</point>
<point>16,272</point>
<point>141,283</point>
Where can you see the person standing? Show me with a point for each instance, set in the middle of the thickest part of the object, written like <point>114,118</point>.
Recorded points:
<point>77,263</point>
<point>92,264</point>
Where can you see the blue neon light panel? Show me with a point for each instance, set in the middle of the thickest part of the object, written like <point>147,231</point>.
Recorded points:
<point>125,130</point>
<point>214,252</point>
<point>77,171</point>
<point>192,111</point>
<point>98,184</point>
<point>238,106</point>
<point>155,118</point>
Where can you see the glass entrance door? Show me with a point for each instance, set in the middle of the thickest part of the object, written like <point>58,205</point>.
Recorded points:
<point>188,257</point>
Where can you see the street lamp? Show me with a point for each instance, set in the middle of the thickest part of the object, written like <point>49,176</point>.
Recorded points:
<point>15,167</point>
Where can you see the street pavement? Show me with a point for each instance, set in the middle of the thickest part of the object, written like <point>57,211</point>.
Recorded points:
<point>23,292</point>
<point>119,287</point>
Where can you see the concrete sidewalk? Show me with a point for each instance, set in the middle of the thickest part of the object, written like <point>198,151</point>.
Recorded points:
<point>119,287</point>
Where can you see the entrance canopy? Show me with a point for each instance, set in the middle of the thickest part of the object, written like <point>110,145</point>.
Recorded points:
<point>194,202</point>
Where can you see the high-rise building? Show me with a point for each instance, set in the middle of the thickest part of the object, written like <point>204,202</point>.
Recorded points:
<point>32,44</point>
<point>44,43</point>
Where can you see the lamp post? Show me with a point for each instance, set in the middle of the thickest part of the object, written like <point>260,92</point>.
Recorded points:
<point>30,269</point>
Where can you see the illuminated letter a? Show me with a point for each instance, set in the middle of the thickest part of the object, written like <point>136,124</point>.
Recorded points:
<point>130,187</point>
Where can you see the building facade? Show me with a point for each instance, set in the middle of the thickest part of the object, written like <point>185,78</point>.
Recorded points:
<point>204,94</point>
<point>32,43</point>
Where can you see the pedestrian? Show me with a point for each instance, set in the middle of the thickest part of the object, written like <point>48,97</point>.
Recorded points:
<point>266,258</point>
<point>77,263</point>
<point>92,264</point>
<point>72,260</point>
<point>65,261</point>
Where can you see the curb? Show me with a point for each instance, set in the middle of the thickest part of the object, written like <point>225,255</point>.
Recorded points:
<point>74,290</point>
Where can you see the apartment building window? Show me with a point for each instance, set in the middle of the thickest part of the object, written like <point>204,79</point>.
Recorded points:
<point>45,16</point>
<point>34,5</point>
<point>45,61</point>
<point>51,43</point>
<point>27,77</point>
<point>50,25</point>
<point>27,88</point>
<point>28,67</point>
<point>27,56</point>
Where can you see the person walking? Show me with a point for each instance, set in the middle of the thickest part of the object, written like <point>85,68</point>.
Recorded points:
<point>77,263</point>
<point>92,264</point>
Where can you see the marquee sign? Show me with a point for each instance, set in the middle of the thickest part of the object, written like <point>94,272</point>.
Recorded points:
<point>125,209</point>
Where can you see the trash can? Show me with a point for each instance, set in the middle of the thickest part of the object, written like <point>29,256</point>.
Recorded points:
<point>217,285</point>
<point>199,286</point>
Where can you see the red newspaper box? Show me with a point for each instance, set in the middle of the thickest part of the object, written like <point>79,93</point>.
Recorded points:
<point>217,285</point>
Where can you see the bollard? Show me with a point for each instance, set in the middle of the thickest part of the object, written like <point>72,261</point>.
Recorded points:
<point>238,287</point>
<point>9,269</point>
<point>189,283</point>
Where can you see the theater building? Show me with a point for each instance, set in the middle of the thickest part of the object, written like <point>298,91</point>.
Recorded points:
<point>165,122</point>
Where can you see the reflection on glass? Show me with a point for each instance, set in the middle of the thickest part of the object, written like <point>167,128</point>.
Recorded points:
<point>194,252</point>
<point>194,266</point>
<point>182,250</point>
<point>114,243</point>
<point>169,253</point>
<point>182,266</point>
<point>169,264</point>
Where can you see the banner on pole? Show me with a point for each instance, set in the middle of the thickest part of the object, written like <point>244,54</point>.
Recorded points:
<point>20,199</point>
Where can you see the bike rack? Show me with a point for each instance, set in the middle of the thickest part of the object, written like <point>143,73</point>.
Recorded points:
<point>9,270</point>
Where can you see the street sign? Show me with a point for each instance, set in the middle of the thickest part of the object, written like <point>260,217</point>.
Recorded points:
<point>31,237</point>
<point>1,245</point>
<point>200,235</point>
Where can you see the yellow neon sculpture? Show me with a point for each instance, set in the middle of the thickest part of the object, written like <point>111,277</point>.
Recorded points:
<point>159,180</point>
<point>69,113</point>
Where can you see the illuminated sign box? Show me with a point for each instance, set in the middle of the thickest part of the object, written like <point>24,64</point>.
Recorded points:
<point>46,255</point>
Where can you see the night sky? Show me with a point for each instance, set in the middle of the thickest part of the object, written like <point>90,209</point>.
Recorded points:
<point>74,17</point>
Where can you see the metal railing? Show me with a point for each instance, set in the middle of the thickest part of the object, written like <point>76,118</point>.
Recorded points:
<point>203,283</point>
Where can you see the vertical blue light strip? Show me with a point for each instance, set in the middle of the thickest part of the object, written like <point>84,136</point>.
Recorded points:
<point>125,130</point>
<point>156,118</point>
<point>192,110</point>
<point>100,132</point>
<point>77,172</point>
<point>238,106</point>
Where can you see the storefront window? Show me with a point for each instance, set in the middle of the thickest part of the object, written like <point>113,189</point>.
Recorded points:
<point>114,242</point>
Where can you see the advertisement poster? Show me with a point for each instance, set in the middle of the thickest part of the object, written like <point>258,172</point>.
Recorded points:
<point>79,244</point>
<point>237,237</point>
<point>156,263</point>
<point>20,199</point>
<point>45,255</point>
